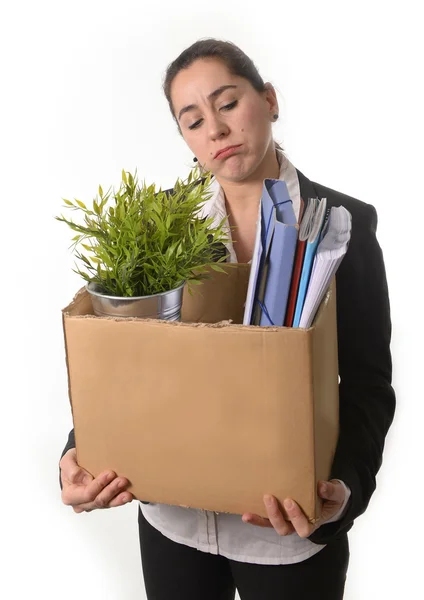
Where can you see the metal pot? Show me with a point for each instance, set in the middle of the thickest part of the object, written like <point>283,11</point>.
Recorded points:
<point>166,305</point>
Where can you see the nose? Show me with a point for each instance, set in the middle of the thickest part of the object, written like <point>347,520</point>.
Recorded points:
<point>217,127</point>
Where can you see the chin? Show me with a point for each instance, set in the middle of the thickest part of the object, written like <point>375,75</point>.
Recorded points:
<point>237,170</point>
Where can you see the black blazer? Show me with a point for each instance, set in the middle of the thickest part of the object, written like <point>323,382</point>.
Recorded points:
<point>367,399</point>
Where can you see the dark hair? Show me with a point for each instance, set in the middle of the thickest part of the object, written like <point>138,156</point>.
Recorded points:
<point>237,62</point>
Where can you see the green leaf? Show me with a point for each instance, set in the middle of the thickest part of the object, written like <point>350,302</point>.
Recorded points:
<point>217,268</point>
<point>124,176</point>
<point>68,202</point>
<point>85,259</point>
<point>100,191</point>
<point>81,204</point>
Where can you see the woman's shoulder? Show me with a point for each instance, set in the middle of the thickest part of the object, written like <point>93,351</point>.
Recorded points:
<point>360,210</point>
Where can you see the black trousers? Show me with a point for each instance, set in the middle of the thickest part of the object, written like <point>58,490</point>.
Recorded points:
<point>174,571</point>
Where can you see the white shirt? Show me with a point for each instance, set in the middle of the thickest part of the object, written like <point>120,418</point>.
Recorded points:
<point>223,533</point>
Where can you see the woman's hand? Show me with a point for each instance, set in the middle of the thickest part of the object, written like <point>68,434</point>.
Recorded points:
<point>333,494</point>
<point>85,493</point>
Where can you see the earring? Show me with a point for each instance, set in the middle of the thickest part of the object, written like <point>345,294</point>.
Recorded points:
<point>275,117</point>
<point>194,159</point>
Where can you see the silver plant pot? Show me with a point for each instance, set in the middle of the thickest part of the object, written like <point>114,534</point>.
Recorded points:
<point>166,305</point>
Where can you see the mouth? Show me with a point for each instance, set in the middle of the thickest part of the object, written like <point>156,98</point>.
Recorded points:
<point>226,151</point>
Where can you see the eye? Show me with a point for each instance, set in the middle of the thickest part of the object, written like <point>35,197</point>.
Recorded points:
<point>229,106</point>
<point>194,124</point>
<point>226,107</point>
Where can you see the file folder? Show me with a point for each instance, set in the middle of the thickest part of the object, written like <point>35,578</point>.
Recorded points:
<point>273,257</point>
<point>311,247</point>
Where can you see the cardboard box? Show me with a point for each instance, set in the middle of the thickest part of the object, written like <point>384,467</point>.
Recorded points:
<point>206,413</point>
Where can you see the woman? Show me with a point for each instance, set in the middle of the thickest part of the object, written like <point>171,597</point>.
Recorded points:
<point>224,112</point>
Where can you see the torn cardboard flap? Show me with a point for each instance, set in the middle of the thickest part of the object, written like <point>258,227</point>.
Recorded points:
<point>206,413</point>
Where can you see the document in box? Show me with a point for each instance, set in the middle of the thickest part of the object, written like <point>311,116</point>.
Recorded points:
<point>331,249</point>
<point>305,228</point>
<point>273,255</point>
<point>254,270</point>
<point>311,247</point>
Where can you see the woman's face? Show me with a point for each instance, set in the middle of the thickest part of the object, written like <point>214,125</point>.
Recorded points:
<point>212,118</point>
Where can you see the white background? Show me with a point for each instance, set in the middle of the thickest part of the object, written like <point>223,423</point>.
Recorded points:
<point>81,99</point>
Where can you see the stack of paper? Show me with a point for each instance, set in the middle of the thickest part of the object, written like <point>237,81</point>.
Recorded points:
<point>330,252</point>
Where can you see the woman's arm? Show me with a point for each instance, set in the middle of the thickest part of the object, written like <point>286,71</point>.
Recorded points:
<point>367,399</point>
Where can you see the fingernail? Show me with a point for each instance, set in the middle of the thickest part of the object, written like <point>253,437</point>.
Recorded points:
<point>288,504</point>
<point>323,488</point>
<point>268,500</point>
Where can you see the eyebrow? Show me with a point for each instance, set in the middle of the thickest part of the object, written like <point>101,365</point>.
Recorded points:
<point>211,96</point>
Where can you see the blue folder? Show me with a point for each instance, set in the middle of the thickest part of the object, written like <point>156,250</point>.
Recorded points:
<point>279,237</point>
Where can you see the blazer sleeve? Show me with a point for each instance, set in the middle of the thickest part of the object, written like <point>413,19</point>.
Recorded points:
<point>367,399</point>
<point>69,444</point>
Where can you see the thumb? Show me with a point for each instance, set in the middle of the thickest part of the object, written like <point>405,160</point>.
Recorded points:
<point>331,491</point>
<point>78,475</point>
<point>72,473</point>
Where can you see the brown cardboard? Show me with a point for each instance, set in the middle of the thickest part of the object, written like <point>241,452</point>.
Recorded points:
<point>206,412</point>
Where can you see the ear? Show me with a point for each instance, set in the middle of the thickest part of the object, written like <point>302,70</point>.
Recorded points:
<point>271,98</point>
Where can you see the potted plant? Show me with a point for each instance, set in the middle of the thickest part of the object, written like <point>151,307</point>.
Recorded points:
<point>144,246</point>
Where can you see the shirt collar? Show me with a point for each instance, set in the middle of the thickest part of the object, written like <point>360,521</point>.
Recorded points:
<point>215,206</point>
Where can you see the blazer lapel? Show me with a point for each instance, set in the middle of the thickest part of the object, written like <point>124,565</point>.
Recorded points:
<point>308,190</point>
